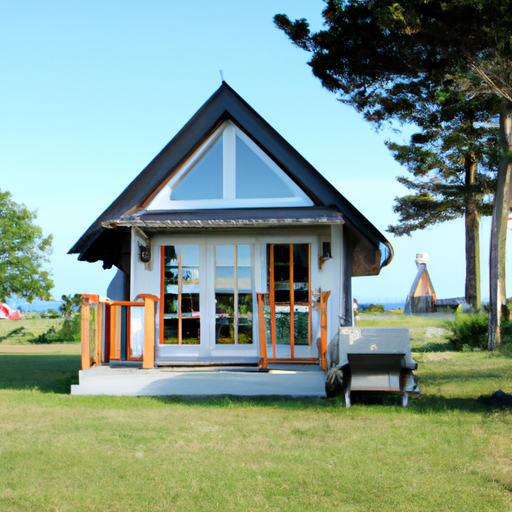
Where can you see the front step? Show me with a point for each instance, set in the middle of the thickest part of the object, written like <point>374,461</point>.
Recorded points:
<point>296,360</point>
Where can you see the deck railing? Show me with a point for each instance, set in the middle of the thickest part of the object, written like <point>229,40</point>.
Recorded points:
<point>262,330</point>
<point>126,331</point>
<point>118,330</point>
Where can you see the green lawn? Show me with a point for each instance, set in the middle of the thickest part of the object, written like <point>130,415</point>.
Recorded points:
<point>447,451</point>
<point>21,331</point>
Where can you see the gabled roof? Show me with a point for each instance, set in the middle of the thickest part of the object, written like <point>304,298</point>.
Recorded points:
<point>99,242</point>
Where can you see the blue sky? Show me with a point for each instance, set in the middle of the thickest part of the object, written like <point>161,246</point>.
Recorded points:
<point>92,90</point>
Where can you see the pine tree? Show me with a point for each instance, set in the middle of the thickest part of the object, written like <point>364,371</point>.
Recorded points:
<point>378,53</point>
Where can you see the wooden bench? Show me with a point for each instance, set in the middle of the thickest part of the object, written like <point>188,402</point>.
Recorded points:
<point>371,359</point>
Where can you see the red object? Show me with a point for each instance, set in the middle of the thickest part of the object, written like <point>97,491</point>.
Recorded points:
<point>9,314</point>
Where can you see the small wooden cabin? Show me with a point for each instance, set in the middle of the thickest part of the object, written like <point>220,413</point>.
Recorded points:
<point>241,251</point>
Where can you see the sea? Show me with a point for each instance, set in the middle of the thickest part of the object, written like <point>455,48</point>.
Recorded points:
<point>36,305</point>
<point>387,305</point>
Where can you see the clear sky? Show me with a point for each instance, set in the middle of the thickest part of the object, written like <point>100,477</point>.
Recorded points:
<point>92,90</point>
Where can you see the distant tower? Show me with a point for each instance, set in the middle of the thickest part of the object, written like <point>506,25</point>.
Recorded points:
<point>422,297</point>
<point>422,258</point>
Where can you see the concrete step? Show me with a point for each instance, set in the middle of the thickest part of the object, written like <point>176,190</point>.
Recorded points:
<point>104,380</point>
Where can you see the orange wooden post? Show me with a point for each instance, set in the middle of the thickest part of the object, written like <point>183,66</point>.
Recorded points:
<point>85,328</point>
<point>114,342</point>
<point>84,333</point>
<point>323,325</point>
<point>87,299</point>
<point>106,351</point>
<point>262,333</point>
<point>148,356</point>
<point>99,333</point>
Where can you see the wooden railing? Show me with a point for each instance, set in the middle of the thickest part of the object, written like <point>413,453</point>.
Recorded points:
<point>125,331</point>
<point>323,328</point>
<point>262,330</point>
<point>118,330</point>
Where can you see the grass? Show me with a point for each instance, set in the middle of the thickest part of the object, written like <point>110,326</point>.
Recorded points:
<point>427,332</point>
<point>448,451</point>
<point>27,329</point>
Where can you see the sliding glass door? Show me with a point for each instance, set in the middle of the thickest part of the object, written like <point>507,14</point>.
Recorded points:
<point>289,300</point>
<point>181,313</point>
<point>208,296</point>
<point>233,295</point>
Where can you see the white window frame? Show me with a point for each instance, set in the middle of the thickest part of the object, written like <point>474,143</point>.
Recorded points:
<point>162,201</point>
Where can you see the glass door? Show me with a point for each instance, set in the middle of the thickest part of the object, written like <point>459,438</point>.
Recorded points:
<point>289,300</point>
<point>181,312</point>
<point>233,295</point>
<point>208,295</point>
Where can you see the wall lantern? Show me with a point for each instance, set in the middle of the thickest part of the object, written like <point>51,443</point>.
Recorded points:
<point>144,253</point>
<point>325,254</point>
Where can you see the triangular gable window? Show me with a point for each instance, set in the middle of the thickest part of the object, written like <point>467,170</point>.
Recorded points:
<point>250,165</point>
<point>204,179</point>
<point>229,171</point>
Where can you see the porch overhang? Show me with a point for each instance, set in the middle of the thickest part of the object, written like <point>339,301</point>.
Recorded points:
<point>266,218</point>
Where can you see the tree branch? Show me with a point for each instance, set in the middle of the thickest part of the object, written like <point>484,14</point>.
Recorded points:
<point>490,82</point>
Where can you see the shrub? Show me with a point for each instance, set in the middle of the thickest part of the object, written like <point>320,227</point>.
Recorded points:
<point>506,332</point>
<point>469,330</point>
<point>41,339</point>
<point>18,332</point>
<point>70,330</point>
<point>372,308</point>
<point>51,313</point>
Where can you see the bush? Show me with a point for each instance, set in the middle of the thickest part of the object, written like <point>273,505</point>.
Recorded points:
<point>50,313</point>
<point>70,330</point>
<point>469,331</point>
<point>42,339</point>
<point>18,332</point>
<point>506,332</point>
<point>372,308</point>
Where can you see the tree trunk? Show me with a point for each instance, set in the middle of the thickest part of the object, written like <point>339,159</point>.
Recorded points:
<point>497,295</point>
<point>472,221</point>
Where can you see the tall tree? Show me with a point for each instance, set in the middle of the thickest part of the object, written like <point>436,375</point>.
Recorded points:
<point>452,159</point>
<point>371,49</point>
<point>23,253</point>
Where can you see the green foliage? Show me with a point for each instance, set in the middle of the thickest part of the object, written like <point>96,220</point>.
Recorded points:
<point>27,329</point>
<point>71,305</point>
<point>445,67</point>
<point>70,309</point>
<point>469,330</point>
<point>70,330</point>
<point>506,333</point>
<point>42,339</point>
<point>453,161</point>
<point>372,308</point>
<point>15,333</point>
<point>23,253</point>
<point>50,313</point>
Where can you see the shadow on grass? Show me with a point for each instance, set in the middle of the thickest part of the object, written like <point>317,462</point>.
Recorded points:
<point>54,373</point>
<point>424,405</point>
<point>431,346</point>
<point>50,373</point>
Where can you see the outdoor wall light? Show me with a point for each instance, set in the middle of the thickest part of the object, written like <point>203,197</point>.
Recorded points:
<point>325,254</point>
<point>144,253</point>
